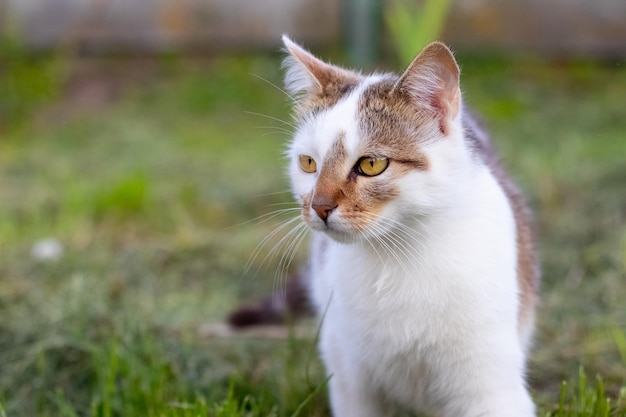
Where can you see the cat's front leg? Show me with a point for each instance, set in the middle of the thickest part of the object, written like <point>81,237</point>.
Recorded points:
<point>499,404</point>
<point>349,398</point>
<point>489,396</point>
<point>351,394</point>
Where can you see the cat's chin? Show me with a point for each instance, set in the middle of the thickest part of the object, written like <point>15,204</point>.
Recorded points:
<point>340,236</point>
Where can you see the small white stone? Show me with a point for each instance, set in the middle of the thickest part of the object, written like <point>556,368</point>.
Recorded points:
<point>48,249</point>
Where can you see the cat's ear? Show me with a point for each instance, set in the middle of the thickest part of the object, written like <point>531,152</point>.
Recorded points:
<point>432,79</point>
<point>307,75</point>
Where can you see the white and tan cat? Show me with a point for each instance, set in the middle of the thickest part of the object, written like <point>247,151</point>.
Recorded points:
<point>422,263</point>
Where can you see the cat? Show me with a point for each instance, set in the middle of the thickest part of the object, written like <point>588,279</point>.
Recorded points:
<point>422,266</point>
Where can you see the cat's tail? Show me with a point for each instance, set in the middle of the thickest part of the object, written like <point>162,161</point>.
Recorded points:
<point>291,303</point>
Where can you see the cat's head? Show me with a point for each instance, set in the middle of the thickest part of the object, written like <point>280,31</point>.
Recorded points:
<point>370,150</point>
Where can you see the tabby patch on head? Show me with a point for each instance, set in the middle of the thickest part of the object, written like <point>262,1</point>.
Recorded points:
<point>363,142</point>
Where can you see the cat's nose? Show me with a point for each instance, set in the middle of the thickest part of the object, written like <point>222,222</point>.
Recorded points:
<point>324,210</point>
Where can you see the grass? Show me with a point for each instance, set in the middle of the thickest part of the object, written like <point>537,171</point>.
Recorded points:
<point>147,172</point>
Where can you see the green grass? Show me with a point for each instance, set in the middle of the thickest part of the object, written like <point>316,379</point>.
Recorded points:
<point>149,191</point>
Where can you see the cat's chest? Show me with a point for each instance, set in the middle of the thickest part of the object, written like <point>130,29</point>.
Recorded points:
<point>415,296</point>
<point>387,315</point>
<point>381,297</point>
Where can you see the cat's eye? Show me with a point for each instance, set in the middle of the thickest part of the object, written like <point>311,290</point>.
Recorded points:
<point>370,166</point>
<point>307,164</point>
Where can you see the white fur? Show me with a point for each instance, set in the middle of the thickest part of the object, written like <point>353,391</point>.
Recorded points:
<point>424,313</point>
<point>297,80</point>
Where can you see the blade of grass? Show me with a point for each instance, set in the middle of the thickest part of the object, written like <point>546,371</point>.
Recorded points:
<point>311,396</point>
<point>620,340</point>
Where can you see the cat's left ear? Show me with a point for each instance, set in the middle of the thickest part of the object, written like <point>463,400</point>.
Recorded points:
<point>432,79</point>
<point>309,76</point>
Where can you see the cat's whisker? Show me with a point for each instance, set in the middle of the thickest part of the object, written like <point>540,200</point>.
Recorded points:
<point>379,283</point>
<point>272,118</point>
<point>273,85</point>
<point>287,246</point>
<point>268,216</point>
<point>285,203</point>
<point>409,235</point>
<point>277,128</point>
<point>294,101</point>
<point>289,256</point>
<point>406,243</point>
<point>403,236</point>
<point>266,134</point>
<point>414,237</point>
<point>276,132</point>
<point>377,236</point>
<point>257,251</point>
<point>282,242</point>
<point>274,194</point>
<point>363,240</point>
<point>390,239</point>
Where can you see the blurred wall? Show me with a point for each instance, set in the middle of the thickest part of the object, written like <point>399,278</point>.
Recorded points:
<point>563,27</point>
<point>150,25</point>
<point>596,27</point>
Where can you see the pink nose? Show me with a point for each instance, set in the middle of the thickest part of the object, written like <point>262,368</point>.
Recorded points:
<point>324,210</point>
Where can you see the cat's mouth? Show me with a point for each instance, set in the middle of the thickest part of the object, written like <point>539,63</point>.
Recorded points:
<point>334,225</point>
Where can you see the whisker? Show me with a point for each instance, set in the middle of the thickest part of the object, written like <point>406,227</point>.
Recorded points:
<point>266,134</point>
<point>285,204</point>
<point>273,194</point>
<point>294,100</point>
<point>390,246</point>
<point>273,85</point>
<point>287,246</point>
<point>272,118</point>
<point>282,129</point>
<point>276,248</point>
<point>363,239</point>
<point>257,251</point>
<point>291,98</point>
<point>397,240</point>
<point>267,216</point>
<point>288,256</point>
<point>275,130</point>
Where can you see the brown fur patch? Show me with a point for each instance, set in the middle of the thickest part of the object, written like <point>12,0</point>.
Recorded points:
<point>527,263</point>
<point>334,85</point>
<point>392,125</point>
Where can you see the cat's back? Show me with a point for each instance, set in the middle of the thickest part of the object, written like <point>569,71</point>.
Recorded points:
<point>528,271</point>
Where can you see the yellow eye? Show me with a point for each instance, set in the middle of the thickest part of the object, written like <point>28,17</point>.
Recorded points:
<point>370,166</point>
<point>308,164</point>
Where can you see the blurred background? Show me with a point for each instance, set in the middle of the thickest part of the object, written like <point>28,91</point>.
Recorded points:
<point>143,194</point>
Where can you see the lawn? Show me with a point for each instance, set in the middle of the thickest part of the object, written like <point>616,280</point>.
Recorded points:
<point>156,176</point>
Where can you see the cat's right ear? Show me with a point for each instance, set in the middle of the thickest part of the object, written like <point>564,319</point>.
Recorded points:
<point>432,79</point>
<point>306,75</point>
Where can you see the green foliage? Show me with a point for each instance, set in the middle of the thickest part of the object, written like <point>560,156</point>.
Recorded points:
<point>582,399</point>
<point>413,25</point>
<point>28,80</point>
<point>125,198</point>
